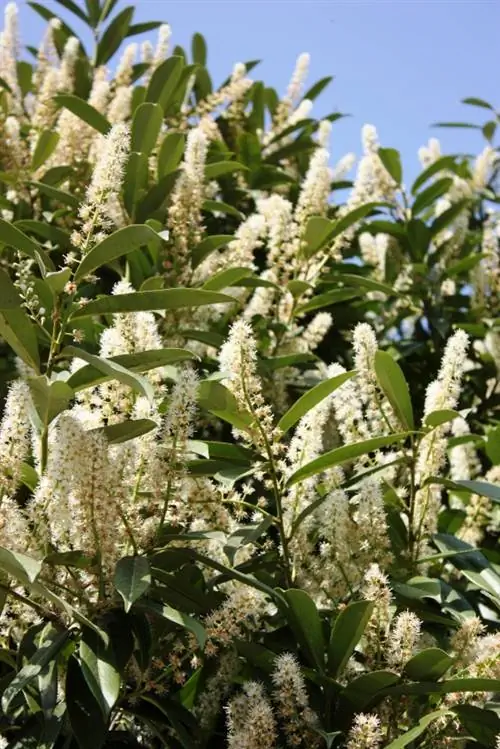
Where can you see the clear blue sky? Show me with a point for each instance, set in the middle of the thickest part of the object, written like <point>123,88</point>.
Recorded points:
<point>399,64</point>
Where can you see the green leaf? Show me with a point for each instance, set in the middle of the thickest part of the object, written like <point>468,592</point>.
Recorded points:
<point>49,398</point>
<point>483,488</point>
<point>132,579</point>
<point>489,129</point>
<point>199,49</point>
<point>475,102</point>
<point>465,265</point>
<point>51,644</point>
<point>457,124</point>
<point>207,246</point>
<point>418,730</point>
<point>428,665</point>
<point>353,217</point>
<point>472,564</point>
<point>19,332</point>
<point>419,237</point>
<point>317,88</point>
<point>126,430</point>
<point>146,126</point>
<point>392,381</point>
<point>346,633</point>
<point>20,566</point>
<point>351,279</point>
<point>431,194</point>
<point>446,218</point>
<point>57,280</point>
<point>13,237</point>
<point>85,716</point>
<point>343,454</point>
<point>9,296</point>
<point>436,418</point>
<point>144,361</point>
<point>113,36</point>
<point>99,670</point>
<point>316,235</point>
<point>305,622</point>
<point>73,8</point>
<point>170,153</point>
<point>84,111</point>
<point>61,196</point>
<point>226,278</point>
<point>142,28</point>
<point>391,160</point>
<point>136,180</point>
<point>464,684</point>
<point>219,168</point>
<point>481,723</point>
<point>45,147</point>
<point>114,370</point>
<point>177,617</point>
<point>217,206</point>
<point>164,81</point>
<point>335,296</point>
<point>121,242</point>
<point>152,300</point>
<point>444,163</point>
<point>310,399</point>
<point>361,691</point>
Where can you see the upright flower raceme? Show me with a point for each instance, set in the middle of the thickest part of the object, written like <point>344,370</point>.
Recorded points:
<point>104,186</point>
<point>9,50</point>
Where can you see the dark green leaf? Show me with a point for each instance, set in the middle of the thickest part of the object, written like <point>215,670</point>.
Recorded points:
<point>428,196</point>
<point>436,418</point>
<point>199,49</point>
<point>325,300</point>
<point>316,235</point>
<point>19,332</point>
<point>346,633</point>
<point>98,666</point>
<point>114,371</point>
<point>84,111</point>
<point>212,171</point>
<point>475,102</point>
<point>170,153</point>
<point>226,278</point>
<point>121,242</point>
<point>45,146</point>
<point>136,180</point>
<point>13,237</point>
<point>207,246</point>
<point>177,617</point>
<point>146,126</point>
<point>317,89</point>
<point>49,398</point>
<point>310,399</point>
<point>361,691</point>
<point>441,164</point>
<point>113,36</point>
<point>132,579</point>
<point>343,454</point>
<point>442,221</point>
<point>391,160</point>
<point>152,300</point>
<point>85,716</point>
<point>164,81</point>
<point>428,665</point>
<point>61,196</point>
<point>217,206</point>
<point>126,430</point>
<point>392,381</point>
<point>304,620</point>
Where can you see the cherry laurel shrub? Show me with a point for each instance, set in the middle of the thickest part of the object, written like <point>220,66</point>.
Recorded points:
<point>250,443</point>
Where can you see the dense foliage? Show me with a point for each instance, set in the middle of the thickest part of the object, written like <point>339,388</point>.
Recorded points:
<point>250,445</point>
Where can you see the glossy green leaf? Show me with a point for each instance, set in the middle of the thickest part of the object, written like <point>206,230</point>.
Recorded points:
<point>219,168</point>
<point>124,431</point>
<point>311,399</point>
<point>152,300</point>
<point>351,218</point>
<point>45,147</point>
<point>362,690</point>
<point>316,235</point>
<point>472,564</point>
<point>335,296</point>
<point>428,665</point>
<point>443,416</point>
<point>343,455</point>
<point>164,81</point>
<point>170,153</point>
<point>207,246</point>
<point>146,126</point>
<point>9,296</point>
<point>132,579</point>
<point>392,381</point>
<point>217,206</point>
<point>20,566</point>
<point>54,193</point>
<point>84,111</point>
<point>304,620</point>
<point>177,617</point>
<point>136,180</point>
<point>199,49</point>
<point>114,370</point>
<point>226,278</point>
<point>51,644</point>
<point>121,242</point>
<point>85,716</point>
<point>441,164</point>
<point>113,36</point>
<point>481,723</point>
<point>317,88</point>
<point>428,196</point>
<point>144,361</point>
<point>346,633</point>
<point>483,488</point>
<point>447,217</point>
<point>391,160</point>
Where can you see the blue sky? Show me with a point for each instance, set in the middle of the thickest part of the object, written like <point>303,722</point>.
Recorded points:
<point>399,65</point>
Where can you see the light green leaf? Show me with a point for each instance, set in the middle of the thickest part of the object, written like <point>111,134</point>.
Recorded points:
<point>61,196</point>
<point>19,332</point>
<point>226,278</point>
<point>392,381</point>
<point>152,300</point>
<point>343,454</point>
<point>121,242</point>
<point>146,126</point>
<point>310,399</point>
<point>115,371</point>
<point>13,237</point>
<point>20,566</point>
<point>207,246</point>
<point>391,160</point>
<point>132,579</point>
<point>45,146</point>
<point>346,633</point>
<point>483,488</point>
<point>84,111</point>
<point>418,730</point>
<point>353,217</point>
<point>99,669</point>
<point>316,235</point>
<point>335,296</point>
<point>428,665</point>
<point>437,418</point>
<point>49,398</point>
